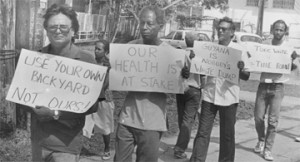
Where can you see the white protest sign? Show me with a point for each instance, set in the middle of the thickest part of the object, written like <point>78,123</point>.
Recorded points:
<point>137,67</point>
<point>268,58</point>
<point>216,60</point>
<point>56,82</point>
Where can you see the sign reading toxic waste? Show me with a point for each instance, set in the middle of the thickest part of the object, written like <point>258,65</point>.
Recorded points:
<point>146,68</point>
<point>55,82</point>
<point>215,60</point>
<point>268,58</point>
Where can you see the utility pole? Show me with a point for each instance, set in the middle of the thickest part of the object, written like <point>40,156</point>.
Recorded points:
<point>261,6</point>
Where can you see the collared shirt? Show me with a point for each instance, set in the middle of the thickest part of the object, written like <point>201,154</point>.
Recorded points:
<point>220,91</point>
<point>274,77</point>
<point>144,110</point>
<point>63,135</point>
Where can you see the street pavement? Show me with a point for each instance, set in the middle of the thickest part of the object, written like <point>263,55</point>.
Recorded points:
<point>285,148</point>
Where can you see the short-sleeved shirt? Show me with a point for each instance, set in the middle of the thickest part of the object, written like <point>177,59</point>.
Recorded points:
<point>64,135</point>
<point>194,80</point>
<point>220,91</point>
<point>106,94</point>
<point>274,77</point>
<point>144,110</point>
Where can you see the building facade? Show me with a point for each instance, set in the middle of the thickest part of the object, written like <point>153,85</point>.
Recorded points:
<point>246,12</point>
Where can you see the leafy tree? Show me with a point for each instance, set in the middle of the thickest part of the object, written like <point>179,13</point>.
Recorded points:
<point>131,8</point>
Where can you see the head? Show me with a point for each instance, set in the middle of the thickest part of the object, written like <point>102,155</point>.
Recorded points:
<point>61,24</point>
<point>279,29</point>
<point>190,37</point>
<point>152,20</point>
<point>101,48</point>
<point>225,30</point>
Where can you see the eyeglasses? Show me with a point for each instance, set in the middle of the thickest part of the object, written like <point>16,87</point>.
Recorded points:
<point>223,29</point>
<point>63,28</point>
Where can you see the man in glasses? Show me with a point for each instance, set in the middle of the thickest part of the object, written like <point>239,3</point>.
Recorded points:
<point>223,96</point>
<point>56,135</point>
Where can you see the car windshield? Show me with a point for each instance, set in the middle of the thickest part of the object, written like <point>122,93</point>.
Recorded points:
<point>203,37</point>
<point>249,38</point>
<point>170,35</point>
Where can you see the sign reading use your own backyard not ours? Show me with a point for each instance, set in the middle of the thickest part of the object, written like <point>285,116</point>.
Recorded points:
<point>137,67</point>
<point>215,60</point>
<point>56,82</point>
<point>268,58</point>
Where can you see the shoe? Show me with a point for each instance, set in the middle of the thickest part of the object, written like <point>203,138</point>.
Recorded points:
<point>106,156</point>
<point>268,155</point>
<point>259,147</point>
<point>297,139</point>
<point>180,155</point>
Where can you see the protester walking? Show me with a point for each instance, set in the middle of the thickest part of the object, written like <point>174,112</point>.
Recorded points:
<point>56,135</point>
<point>188,103</point>
<point>143,117</point>
<point>269,96</point>
<point>219,95</point>
<point>102,121</point>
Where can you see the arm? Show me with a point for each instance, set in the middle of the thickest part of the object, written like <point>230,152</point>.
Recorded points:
<point>244,75</point>
<point>45,114</point>
<point>294,56</point>
<point>202,80</point>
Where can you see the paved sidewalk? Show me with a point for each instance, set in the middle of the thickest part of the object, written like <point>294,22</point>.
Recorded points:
<point>285,148</point>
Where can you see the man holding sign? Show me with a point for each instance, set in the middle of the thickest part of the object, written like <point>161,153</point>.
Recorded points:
<point>143,116</point>
<point>270,94</point>
<point>223,96</point>
<point>56,135</point>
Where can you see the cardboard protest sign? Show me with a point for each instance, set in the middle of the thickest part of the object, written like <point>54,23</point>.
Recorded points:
<point>55,82</point>
<point>268,58</point>
<point>216,60</point>
<point>136,67</point>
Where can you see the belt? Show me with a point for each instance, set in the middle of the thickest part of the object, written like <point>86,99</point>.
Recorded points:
<point>101,99</point>
<point>272,83</point>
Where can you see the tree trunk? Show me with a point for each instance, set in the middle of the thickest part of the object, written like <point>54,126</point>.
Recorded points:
<point>7,65</point>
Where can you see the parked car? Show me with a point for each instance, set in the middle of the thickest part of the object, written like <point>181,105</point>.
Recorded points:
<point>243,37</point>
<point>177,38</point>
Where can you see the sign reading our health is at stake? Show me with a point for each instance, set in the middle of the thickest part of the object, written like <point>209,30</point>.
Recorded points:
<point>137,67</point>
<point>56,82</point>
<point>268,58</point>
<point>215,60</point>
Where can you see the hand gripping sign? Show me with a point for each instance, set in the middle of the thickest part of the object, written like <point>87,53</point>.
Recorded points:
<point>146,68</point>
<point>56,82</point>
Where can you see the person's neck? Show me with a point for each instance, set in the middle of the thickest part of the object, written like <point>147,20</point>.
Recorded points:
<point>277,42</point>
<point>99,59</point>
<point>225,42</point>
<point>60,50</point>
<point>152,42</point>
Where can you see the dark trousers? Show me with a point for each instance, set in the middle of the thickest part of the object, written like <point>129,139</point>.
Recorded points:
<point>187,108</point>
<point>147,143</point>
<point>227,132</point>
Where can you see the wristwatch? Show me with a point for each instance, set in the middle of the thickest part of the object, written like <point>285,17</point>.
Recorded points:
<point>56,115</point>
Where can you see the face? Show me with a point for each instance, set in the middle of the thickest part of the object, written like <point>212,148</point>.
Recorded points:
<point>99,50</point>
<point>148,25</point>
<point>279,31</point>
<point>224,31</point>
<point>59,30</point>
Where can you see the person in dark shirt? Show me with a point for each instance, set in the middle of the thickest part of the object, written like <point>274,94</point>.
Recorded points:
<point>56,135</point>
